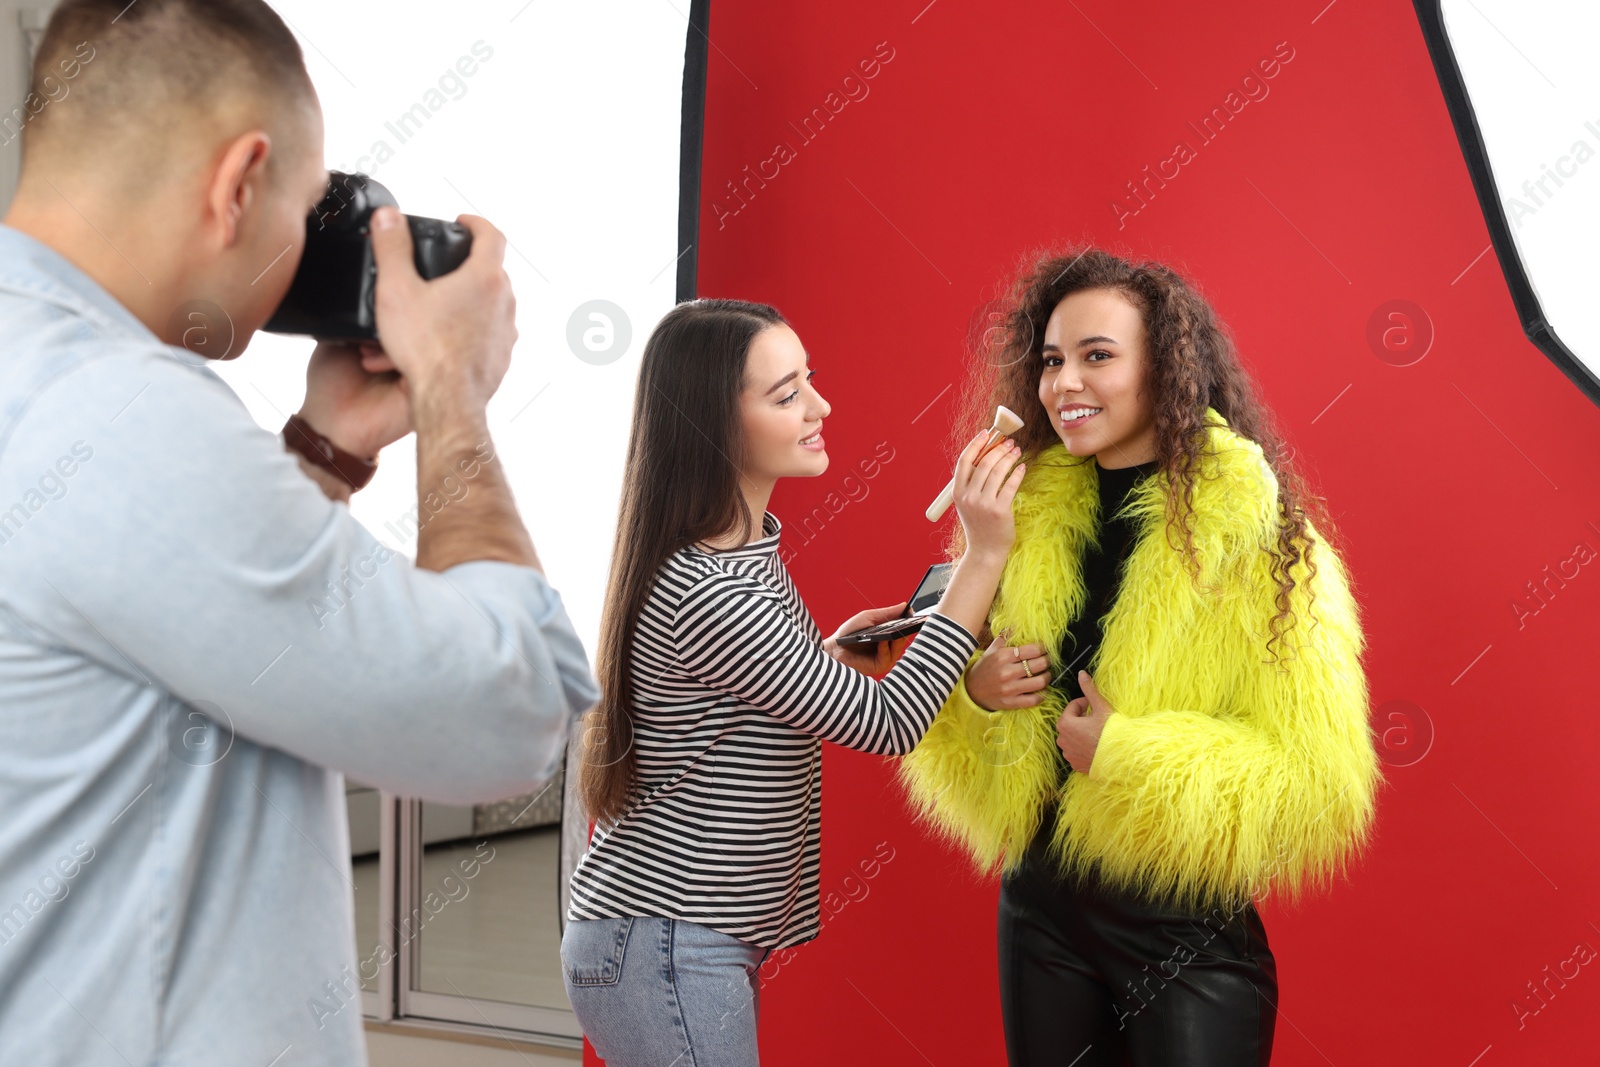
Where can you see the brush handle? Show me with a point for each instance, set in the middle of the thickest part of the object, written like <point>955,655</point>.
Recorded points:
<point>947,495</point>
<point>942,504</point>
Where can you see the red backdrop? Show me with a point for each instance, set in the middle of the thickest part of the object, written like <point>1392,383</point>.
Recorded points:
<point>1463,480</point>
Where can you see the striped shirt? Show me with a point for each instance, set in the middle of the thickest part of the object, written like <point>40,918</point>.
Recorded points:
<point>733,695</point>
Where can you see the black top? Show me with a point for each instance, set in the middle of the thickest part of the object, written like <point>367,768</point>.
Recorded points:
<point>1102,576</point>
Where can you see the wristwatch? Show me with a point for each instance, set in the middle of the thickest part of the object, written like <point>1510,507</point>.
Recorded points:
<point>299,435</point>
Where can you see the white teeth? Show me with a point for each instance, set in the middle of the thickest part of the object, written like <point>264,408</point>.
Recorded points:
<point>813,437</point>
<point>1079,413</point>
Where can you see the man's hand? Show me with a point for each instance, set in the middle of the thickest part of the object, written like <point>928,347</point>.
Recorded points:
<point>874,663</point>
<point>356,398</point>
<point>450,338</point>
<point>450,335</point>
<point>1078,732</point>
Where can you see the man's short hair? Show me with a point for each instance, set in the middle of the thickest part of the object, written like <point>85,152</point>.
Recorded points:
<point>120,83</point>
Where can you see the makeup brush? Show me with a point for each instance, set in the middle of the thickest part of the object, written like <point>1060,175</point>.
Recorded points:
<point>1006,423</point>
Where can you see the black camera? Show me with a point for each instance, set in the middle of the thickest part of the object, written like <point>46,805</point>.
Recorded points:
<point>331,295</point>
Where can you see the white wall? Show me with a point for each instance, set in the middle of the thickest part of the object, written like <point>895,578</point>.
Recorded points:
<point>567,139</point>
<point>14,67</point>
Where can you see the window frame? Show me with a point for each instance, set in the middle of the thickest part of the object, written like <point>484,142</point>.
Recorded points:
<point>557,1027</point>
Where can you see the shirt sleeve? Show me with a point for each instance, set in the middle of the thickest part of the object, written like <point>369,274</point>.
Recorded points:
<point>188,551</point>
<point>735,635</point>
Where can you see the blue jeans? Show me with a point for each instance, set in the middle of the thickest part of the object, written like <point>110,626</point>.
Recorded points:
<point>654,992</point>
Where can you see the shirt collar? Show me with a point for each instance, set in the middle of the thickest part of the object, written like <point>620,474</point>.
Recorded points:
<point>765,545</point>
<point>29,267</point>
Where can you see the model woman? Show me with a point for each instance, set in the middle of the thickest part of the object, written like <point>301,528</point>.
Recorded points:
<point>1173,718</point>
<point>702,763</point>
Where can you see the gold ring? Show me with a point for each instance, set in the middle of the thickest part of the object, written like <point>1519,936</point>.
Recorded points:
<point>1027,669</point>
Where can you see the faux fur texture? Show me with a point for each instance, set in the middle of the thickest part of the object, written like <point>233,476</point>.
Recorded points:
<point>1223,774</point>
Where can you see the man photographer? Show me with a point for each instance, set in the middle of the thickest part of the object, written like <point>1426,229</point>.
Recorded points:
<point>175,713</point>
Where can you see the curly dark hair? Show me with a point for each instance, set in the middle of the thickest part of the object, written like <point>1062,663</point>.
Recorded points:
<point>1193,365</point>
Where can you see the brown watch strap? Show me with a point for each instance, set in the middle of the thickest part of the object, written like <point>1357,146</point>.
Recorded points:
<point>300,436</point>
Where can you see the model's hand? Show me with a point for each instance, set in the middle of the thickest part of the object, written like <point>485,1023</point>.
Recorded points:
<point>1078,732</point>
<point>876,660</point>
<point>356,398</point>
<point>1000,677</point>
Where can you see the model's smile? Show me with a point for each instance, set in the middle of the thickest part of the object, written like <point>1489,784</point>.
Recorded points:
<point>1073,414</point>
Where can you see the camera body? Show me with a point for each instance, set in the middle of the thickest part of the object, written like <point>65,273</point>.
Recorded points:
<point>331,297</point>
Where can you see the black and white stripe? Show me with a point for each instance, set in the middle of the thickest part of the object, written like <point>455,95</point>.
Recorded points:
<point>732,697</point>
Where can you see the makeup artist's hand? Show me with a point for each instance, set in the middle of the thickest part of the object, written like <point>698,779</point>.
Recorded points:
<point>1078,731</point>
<point>877,660</point>
<point>1000,680</point>
<point>985,483</point>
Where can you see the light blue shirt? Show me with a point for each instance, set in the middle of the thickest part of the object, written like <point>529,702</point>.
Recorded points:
<point>174,891</point>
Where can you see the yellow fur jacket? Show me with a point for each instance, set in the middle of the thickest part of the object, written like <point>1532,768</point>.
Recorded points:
<point>1222,774</point>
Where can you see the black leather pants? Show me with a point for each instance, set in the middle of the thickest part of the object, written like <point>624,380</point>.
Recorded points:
<point>1092,977</point>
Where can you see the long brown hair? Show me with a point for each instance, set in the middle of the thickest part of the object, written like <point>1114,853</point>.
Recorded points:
<point>1193,365</point>
<point>680,485</point>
